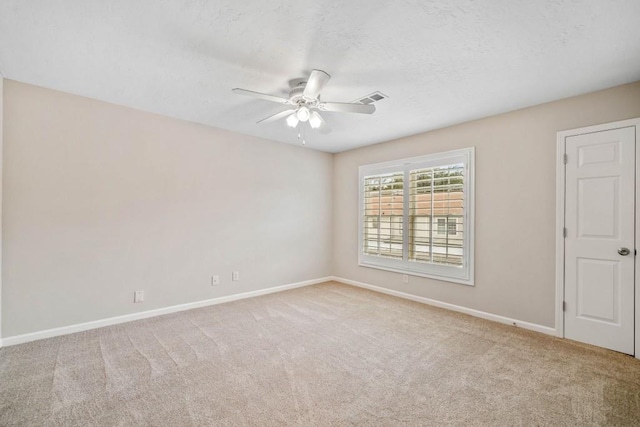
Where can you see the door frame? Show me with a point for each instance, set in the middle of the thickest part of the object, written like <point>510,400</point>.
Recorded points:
<point>560,223</point>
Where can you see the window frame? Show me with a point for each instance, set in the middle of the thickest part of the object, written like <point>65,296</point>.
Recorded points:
<point>463,275</point>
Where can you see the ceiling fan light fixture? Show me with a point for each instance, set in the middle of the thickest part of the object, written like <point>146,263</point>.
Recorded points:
<point>304,105</point>
<point>292,120</point>
<point>303,114</point>
<point>315,121</point>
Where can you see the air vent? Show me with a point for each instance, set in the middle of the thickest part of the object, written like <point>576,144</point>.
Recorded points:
<point>371,98</point>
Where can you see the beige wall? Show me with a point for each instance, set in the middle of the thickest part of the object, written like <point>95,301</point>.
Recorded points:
<point>102,200</point>
<point>515,240</point>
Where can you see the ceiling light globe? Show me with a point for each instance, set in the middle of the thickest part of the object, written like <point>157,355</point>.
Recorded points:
<point>315,121</point>
<point>303,114</point>
<point>292,120</point>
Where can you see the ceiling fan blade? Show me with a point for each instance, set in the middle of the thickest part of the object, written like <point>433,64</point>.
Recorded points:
<point>347,107</point>
<point>276,116</point>
<point>259,95</point>
<point>316,82</point>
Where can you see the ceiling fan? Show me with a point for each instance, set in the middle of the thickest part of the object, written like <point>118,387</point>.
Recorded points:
<point>304,104</point>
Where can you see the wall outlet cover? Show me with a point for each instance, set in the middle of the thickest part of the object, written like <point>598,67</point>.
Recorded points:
<point>138,296</point>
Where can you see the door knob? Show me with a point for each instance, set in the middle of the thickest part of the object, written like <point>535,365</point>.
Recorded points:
<point>624,251</point>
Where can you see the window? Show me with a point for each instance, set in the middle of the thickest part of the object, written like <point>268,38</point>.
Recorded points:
<point>453,226</point>
<point>416,216</point>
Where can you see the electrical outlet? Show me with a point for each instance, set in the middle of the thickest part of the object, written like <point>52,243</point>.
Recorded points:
<point>235,276</point>
<point>138,296</point>
<point>405,278</point>
<point>215,280</point>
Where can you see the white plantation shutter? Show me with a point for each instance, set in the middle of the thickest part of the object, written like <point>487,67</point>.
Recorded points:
<point>416,216</point>
<point>383,211</point>
<point>436,215</point>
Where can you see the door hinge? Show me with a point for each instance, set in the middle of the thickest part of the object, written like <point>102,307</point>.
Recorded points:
<point>565,158</point>
<point>564,232</point>
<point>564,306</point>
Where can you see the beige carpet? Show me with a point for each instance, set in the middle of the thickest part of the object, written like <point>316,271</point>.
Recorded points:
<point>323,355</point>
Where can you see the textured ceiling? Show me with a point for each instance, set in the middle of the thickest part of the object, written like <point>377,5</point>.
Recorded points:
<point>440,62</point>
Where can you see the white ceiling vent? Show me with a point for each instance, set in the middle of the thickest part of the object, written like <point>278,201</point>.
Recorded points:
<point>371,98</point>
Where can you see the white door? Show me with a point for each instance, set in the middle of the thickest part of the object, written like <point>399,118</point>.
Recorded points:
<point>600,238</point>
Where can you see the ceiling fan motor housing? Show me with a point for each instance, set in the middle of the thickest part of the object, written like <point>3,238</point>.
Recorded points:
<point>296,96</point>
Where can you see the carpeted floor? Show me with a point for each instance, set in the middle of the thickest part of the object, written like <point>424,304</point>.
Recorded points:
<point>322,355</point>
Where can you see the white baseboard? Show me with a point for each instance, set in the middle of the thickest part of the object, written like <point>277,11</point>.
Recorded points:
<point>477,313</point>
<point>49,333</point>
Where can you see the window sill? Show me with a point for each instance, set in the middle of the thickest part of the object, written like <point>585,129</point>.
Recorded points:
<point>461,281</point>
